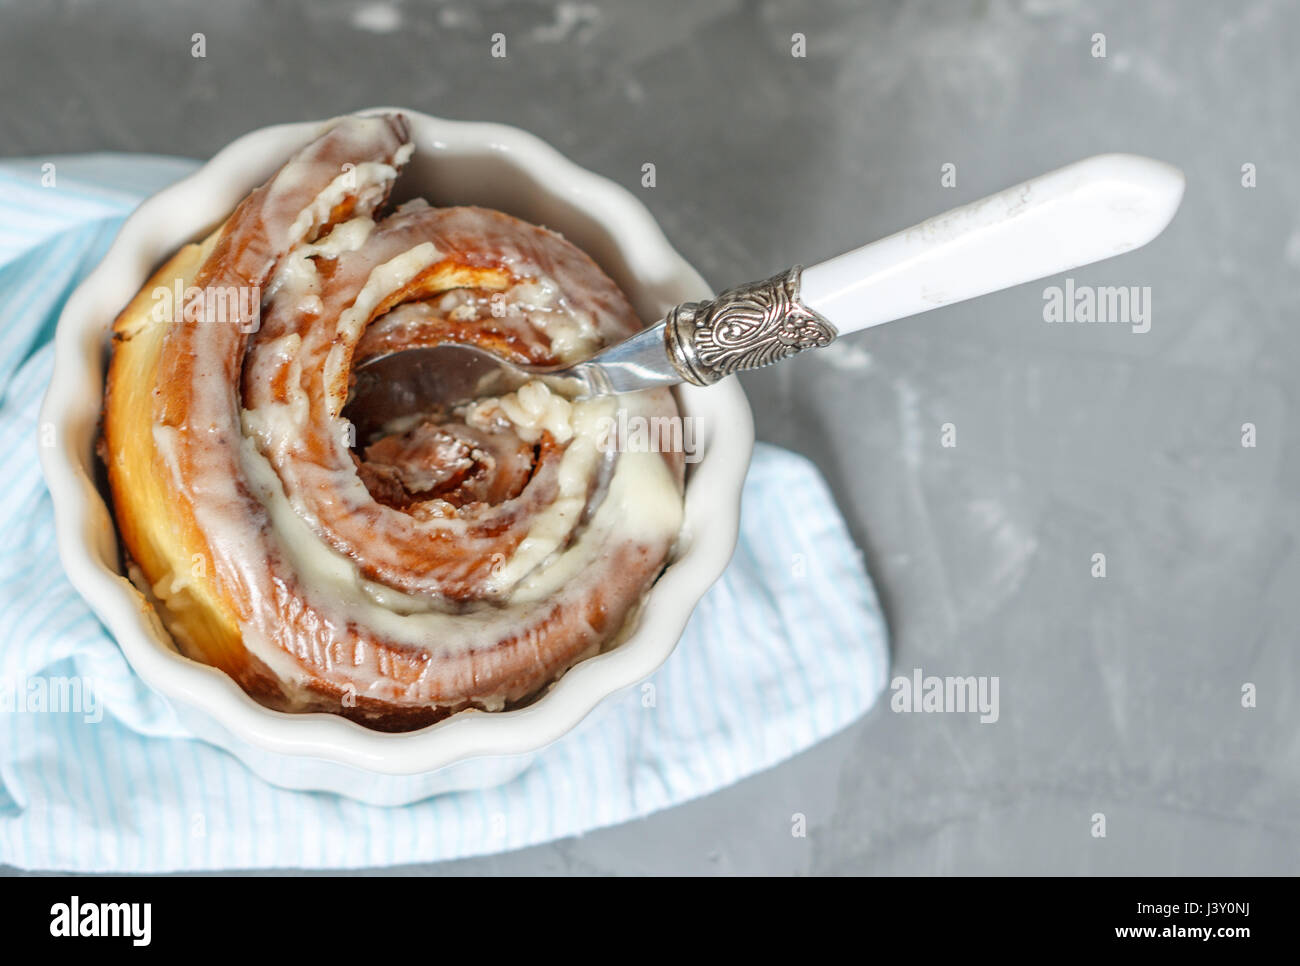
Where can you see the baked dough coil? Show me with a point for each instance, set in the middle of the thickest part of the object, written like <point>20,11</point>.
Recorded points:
<point>443,562</point>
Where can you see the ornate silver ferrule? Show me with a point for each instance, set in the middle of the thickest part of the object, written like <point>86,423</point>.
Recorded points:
<point>745,327</point>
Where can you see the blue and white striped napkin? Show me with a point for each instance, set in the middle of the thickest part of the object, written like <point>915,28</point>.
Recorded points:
<point>786,649</point>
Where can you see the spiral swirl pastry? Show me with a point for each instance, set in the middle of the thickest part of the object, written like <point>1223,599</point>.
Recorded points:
<point>441,562</point>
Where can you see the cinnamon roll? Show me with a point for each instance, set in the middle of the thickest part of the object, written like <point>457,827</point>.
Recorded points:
<point>392,574</point>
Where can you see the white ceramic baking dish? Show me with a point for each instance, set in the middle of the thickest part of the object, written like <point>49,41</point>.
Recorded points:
<point>455,163</point>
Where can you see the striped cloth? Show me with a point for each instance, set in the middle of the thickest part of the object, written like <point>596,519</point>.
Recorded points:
<point>786,649</point>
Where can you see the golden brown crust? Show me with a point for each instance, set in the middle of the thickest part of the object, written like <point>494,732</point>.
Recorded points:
<point>165,546</point>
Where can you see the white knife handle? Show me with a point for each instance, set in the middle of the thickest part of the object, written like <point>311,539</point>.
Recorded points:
<point>1082,213</point>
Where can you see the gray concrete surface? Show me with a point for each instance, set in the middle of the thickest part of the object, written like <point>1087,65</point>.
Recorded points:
<point>1120,695</point>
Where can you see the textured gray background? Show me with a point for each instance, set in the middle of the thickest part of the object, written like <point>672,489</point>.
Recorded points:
<point>1119,695</point>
